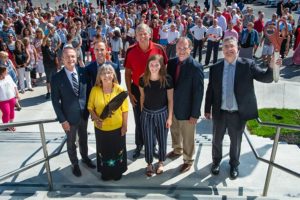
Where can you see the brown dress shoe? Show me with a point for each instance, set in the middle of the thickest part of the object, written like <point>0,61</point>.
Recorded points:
<point>185,167</point>
<point>172,155</point>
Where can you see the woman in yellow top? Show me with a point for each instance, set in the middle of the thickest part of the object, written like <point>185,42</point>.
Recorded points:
<point>110,132</point>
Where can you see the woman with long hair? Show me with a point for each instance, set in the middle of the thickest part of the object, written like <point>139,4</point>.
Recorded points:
<point>22,59</point>
<point>76,43</point>
<point>110,132</point>
<point>33,60</point>
<point>156,88</point>
<point>37,43</point>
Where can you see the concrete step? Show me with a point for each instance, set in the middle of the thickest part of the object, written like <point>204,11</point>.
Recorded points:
<point>25,147</point>
<point>116,192</point>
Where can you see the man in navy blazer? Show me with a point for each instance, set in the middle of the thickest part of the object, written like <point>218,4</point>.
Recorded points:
<point>188,76</point>
<point>69,103</point>
<point>230,97</point>
<point>100,51</point>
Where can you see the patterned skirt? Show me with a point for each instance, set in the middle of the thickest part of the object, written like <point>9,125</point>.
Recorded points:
<point>111,153</point>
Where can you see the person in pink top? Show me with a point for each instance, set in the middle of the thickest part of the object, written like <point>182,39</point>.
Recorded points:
<point>8,95</point>
<point>231,32</point>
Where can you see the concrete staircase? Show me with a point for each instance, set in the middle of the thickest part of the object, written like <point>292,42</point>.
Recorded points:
<point>198,183</point>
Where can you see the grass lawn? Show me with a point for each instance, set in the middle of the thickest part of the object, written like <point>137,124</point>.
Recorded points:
<point>282,116</point>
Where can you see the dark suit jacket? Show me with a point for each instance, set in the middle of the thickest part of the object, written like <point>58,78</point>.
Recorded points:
<point>91,74</point>
<point>68,106</point>
<point>246,72</point>
<point>188,90</point>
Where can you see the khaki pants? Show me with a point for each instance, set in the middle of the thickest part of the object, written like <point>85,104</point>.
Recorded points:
<point>183,139</point>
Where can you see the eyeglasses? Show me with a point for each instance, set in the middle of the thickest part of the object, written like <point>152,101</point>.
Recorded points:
<point>182,49</point>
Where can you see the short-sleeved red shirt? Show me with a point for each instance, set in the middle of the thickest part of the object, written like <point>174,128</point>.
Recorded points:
<point>136,59</point>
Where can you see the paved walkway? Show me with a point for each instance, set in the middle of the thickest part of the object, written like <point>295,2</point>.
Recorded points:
<point>24,147</point>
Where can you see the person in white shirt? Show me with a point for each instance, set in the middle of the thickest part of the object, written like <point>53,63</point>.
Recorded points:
<point>163,33</point>
<point>214,35</point>
<point>235,17</point>
<point>221,21</point>
<point>8,95</point>
<point>198,32</point>
<point>173,35</point>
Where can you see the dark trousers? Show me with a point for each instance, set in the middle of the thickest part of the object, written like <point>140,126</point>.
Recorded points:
<point>212,46</point>
<point>81,129</point>
<point>137,115</point>
<point>198,44</point>
<point>235,127</point>
<point>154,126</point>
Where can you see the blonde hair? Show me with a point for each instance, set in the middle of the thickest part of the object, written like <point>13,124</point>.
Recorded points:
<point>104,68</point>
<point>3,55</point>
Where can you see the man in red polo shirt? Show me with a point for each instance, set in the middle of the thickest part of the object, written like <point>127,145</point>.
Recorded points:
<point>135,65</point>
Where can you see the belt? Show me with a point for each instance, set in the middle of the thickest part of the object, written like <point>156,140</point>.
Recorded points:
<point>230,111</point>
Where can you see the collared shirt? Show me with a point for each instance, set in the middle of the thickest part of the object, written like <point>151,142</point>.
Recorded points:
<point>222,22</point>
<point>69,75</point>
<point>232,33</point>
<point>225,85</point>
<point>199,32</point>
<point>136,59</point>
<point>214,33</point>
<point>172,36</point>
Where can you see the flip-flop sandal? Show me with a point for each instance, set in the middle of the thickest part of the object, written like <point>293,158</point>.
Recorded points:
<point>149,171</point>
<point>160,169</point>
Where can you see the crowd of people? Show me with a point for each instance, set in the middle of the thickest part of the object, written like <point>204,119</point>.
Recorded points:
<point>79,47</point>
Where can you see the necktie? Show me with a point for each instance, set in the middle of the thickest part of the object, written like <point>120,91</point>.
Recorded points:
<point>177,71</point>
<point>230,87</point>
<point>75,84</point>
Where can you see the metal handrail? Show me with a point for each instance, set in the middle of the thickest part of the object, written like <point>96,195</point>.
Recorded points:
<point>274,150</point>
<point>46,158</point>
<point>27,123</point>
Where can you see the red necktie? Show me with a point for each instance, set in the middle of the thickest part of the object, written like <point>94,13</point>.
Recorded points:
<point>177,71</point>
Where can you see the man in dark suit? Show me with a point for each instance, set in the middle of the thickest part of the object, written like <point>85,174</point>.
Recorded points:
<point>231,99</point>
<point>69,102</point>
<point>188,76</point>
<point>91,69</point>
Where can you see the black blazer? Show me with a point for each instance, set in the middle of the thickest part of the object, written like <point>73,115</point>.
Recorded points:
<point>68,106</point>
<point>188,90</point>
<point>246,72</point>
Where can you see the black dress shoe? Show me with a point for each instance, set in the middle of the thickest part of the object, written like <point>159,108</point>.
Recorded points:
<point>234,172</point>
<point>137,152</point>
<point>89,163</point>
<point>215,169</point>
<point>76,170</point>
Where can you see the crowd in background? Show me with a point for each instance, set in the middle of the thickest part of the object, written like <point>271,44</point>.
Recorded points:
<point>33,40</point>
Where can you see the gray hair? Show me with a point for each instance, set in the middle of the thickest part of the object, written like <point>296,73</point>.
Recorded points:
<point>229,39</point>
<point>185,39</point>
<point>142,27</point>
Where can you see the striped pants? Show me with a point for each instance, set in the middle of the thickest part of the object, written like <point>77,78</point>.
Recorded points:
<point>154,125</point>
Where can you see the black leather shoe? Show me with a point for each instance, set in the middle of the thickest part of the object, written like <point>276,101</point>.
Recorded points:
<point>215,169</point>
<point>89,163</point>
<point>76,170</point>
<point>155,153</point>
<point>137,152</point>
<point>234,172</point>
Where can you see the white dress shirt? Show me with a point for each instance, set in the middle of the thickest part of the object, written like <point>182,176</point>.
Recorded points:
<point>198,31</point>
<point>69,75</point>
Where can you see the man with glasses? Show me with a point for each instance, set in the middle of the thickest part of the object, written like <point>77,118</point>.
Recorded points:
<point>187,75</point>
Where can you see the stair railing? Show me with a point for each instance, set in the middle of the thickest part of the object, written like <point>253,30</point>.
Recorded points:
<point>44,160</point>
<point>272,162</point>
